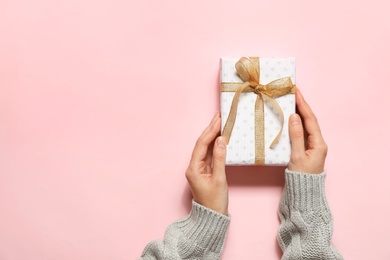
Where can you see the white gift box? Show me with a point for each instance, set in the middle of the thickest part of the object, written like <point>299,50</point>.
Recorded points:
<point>241,149</point>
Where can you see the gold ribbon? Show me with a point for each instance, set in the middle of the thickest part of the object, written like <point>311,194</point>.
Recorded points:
<point>249,71</point>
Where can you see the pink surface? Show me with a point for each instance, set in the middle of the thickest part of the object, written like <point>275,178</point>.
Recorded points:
<point>102,101</point>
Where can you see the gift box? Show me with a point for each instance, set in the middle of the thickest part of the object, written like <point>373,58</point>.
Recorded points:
<point>257,99</point>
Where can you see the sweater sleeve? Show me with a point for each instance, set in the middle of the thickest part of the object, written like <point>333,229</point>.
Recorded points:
<point>306,221</point>
<point>200,235</point>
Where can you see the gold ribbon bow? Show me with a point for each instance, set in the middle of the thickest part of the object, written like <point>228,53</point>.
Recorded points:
<point>249,71</point>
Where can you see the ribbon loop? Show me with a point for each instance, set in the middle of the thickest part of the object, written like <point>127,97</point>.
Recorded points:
<point>249,71</point>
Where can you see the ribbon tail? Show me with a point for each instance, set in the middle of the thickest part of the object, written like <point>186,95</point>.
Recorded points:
<point>259,131</point>
<point>275,104</point>
<point>228,128</point>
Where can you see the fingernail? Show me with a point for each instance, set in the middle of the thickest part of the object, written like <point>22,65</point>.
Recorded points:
<point>295,119</point>
<point>221,142</point>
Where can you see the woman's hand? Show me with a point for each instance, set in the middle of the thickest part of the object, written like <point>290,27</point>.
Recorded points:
<point>308,148</point>
<point>206,172</point>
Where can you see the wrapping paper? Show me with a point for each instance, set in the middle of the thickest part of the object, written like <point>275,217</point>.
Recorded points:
<point>241,148</point>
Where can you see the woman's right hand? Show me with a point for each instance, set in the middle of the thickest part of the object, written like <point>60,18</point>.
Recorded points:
<point>308,148</point>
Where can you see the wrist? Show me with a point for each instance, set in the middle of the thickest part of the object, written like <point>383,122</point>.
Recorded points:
<point>304,168</point>
<point>217,208</point>
<point>205,228</point>
<point>305,192</point>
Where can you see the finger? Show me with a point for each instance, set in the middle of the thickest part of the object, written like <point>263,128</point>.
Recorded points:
<point>206,138</point>
<point>309,119</point>
<point>219,157</point>
<point>297,137</point>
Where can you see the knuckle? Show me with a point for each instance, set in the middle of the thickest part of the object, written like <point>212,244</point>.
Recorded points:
<point>297,133</point>
<point>324,149</point>
<point>297,158</point>
<point>189,174</point>
<point>219,156</point>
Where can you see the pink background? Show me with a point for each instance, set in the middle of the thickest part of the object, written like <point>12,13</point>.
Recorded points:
<point>101,103</point>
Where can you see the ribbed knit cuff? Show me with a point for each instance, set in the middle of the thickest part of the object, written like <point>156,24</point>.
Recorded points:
<point>306,192</point>
<point>205,228</point>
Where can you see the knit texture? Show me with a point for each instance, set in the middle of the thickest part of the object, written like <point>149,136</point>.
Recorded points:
<point>305,231</point>
<point>306,222</point>
<point>200,235</point>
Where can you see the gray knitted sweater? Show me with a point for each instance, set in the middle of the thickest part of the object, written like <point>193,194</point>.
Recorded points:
<point>305,231</point>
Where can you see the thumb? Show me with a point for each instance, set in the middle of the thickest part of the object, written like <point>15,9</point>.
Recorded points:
<point>296,136</point>
<point>219,156</point>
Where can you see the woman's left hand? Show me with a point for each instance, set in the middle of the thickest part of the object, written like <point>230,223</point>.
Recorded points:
<point>206,172</point>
